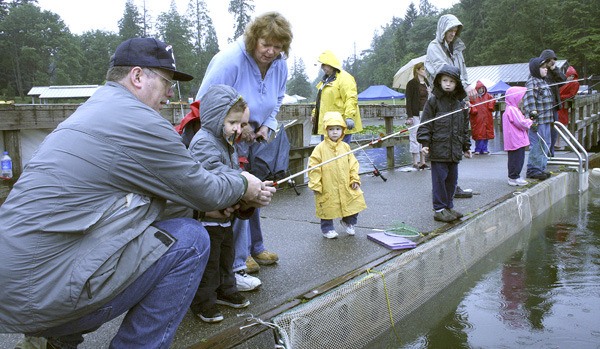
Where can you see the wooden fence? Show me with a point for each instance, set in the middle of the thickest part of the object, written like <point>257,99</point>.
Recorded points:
<point>584,124</point>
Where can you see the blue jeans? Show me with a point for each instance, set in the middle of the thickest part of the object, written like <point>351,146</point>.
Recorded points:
<point>155,302</point>
<point>327,224</point>
<point>444,176</point>
<point>538,149</point>
<point>248,239</point>
<point>481,146</point>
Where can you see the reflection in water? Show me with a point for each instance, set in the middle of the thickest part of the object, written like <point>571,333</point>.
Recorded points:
<point>541,289</point>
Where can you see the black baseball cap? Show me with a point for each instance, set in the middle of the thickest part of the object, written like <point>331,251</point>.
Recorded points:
<point>147,52</point>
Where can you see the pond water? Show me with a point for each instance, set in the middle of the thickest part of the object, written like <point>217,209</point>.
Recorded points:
<point>540,289</point>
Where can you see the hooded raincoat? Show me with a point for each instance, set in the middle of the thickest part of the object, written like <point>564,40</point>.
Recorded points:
<point>514,124</point>
<point>337,93</point>
<point>334,196</point>
<point>76,229</point>
<point>481,114</point>
<point>439,52</point>
<point>567,91</point>
<point>447,137</point>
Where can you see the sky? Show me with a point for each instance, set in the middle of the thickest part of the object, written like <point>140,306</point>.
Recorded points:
<point>342,26</point>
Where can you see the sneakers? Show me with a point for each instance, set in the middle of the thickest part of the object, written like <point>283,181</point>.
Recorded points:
<point>246,282</point>
<point>332,234</point>
<point>234,300</point>
<point>457,214</point>
<point>444,216</point>
<point>517,182</point>
<point>463,194</point>
<point>349,228</point>
<point>210,315</point>
<point>251,265</point>
<point>266,257</point>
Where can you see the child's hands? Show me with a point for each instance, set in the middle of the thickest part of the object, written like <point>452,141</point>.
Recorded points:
<point>425,150</point>
<point>355,185</point>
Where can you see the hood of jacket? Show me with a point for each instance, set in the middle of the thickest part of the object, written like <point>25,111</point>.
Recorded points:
<point>334,118</point>
<point>329,58</point>
<point>215,105</point>
<point>479,85</point>
<point>547,54</point>
<point>534,67</point>
<point>571,71</point>
<point>445,23</point>
<point>514,95</point>
<point>454,72</point>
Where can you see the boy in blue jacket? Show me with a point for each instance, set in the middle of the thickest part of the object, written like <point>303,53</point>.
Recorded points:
<point>445,139</point>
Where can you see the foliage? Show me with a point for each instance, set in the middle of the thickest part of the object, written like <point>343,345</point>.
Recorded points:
<point>298,83</point>
<point>40,50</point>
<point>132,23</point>
<point>241,10</point>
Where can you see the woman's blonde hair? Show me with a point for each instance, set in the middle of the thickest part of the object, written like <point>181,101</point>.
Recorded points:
<point>272,27</point>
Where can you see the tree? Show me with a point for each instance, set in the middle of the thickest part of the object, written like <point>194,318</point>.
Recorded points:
<point>40,50</point>
<point>241,10</point>
<point>132,23</point>
<point>426,8</point>
<point>97,46</point>
<point>204,36</point>
<point>298,83</point>
<point>174,30</point>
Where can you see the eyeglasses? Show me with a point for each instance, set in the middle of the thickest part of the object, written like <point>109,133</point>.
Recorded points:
<point>172,83</point>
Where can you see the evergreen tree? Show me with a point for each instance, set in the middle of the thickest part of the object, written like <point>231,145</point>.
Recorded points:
<point>298,83</point>
<point>97,46</point>
<point>241,11</point>
<point>39,50</point>
<point>426,8</point>
<point>132,23</point>
<point>204,36</point>
<point>173,29</point>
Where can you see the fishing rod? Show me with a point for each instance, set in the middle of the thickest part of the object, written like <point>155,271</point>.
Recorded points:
<point>381,139</point>
<point>376,171</point>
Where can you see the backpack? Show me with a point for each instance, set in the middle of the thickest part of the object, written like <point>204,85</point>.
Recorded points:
<point>190,124</point>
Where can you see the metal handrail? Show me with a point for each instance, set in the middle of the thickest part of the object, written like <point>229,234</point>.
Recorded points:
<point>582,162</point>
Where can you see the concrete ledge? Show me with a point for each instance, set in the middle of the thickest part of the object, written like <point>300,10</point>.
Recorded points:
<point>358,311</point>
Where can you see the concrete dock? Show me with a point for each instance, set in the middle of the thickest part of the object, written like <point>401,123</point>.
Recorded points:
<point>310,264</point>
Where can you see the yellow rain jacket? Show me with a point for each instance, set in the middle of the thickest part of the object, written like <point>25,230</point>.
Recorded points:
<point>339,95</point>
<point>334,196</point>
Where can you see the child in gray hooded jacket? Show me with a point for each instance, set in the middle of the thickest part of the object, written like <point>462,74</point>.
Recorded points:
<point>223,114</point>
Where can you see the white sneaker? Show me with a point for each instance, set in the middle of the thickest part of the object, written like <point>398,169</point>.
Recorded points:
<point>520,181</point>
<point>246,282</point>
<point>512,182</point>
<point>349,228</point>
<point>332,234</point>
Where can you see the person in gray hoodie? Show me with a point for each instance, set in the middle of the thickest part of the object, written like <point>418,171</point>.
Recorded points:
<point>86,234</point>
<point>223,115</point>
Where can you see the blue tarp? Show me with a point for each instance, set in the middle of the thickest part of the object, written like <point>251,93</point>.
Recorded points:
<point>499,87</point>
<point>379,92</point>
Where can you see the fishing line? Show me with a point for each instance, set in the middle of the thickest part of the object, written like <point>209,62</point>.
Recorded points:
<point>381,139</point>
<point>376,171</point>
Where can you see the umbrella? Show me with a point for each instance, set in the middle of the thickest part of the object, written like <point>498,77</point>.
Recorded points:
<point>404,74</point>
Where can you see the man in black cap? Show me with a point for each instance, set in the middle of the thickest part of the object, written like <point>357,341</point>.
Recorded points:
<point>86,233</point>
<point>554,78</point>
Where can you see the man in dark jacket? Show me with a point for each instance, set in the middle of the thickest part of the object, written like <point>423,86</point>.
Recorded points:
<point>554,78</point>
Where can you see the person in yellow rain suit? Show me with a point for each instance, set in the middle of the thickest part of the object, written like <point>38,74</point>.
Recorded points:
<point>336,92</point>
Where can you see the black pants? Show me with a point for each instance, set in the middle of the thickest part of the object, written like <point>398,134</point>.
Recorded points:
<point>516,159</point>
<point>218,276</point>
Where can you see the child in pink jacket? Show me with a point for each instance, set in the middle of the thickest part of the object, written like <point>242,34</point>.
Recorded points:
<point>515,127</point>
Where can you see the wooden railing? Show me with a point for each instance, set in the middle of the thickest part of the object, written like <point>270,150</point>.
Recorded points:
<point>584,124</point>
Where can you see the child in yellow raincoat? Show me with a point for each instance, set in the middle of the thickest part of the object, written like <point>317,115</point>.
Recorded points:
<point>336,184</point>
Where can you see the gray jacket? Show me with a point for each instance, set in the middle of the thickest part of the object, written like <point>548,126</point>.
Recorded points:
<point>76,228</point>
<point>438,53</point>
